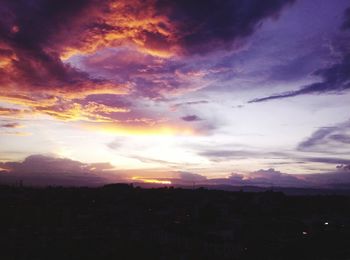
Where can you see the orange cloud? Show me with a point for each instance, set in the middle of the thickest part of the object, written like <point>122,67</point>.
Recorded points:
<point>12,112</point>
<point>126,22</point>
<point>71,111</point>
<point>35,72</point>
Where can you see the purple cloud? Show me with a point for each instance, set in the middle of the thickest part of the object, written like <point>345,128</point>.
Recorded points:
<point>335,78</point>
<point>328,138</point>
<point>191,118</point>
<point>346,23</point>
<point>189,103</point>
<point>191,177</point>
<point>271,177</point>
<point>213,25</point>
<point>11,125</point>
<point>47,170</point>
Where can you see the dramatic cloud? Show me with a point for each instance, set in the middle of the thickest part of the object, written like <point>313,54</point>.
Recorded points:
<point>150,76</point>
<point>33,36</point>
<point>167,79</point>
<point>38,38</point>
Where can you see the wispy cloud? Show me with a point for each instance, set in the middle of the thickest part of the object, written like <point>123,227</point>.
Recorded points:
<point>11,125</point>
<point>334,138</point>
<point>191,118</point>
<point>335,78</point>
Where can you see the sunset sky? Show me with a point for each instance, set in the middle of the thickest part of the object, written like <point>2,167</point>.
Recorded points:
<point>218,92</point>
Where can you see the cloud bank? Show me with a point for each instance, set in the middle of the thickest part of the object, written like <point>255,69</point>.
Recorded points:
<point>47,170</point>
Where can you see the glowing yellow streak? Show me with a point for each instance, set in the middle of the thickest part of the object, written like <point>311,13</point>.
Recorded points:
<point>16,133</point>
<point>151,180</point>
<point>125,130</point>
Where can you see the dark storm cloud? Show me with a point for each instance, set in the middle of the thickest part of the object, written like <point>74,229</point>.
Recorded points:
<point>33,35</point>
<point>29,35</point>
<point>31,25</point>
<point>36,32</point>
<point>209,24</point>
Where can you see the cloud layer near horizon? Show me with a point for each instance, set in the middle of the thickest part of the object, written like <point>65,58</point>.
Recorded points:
<point>46,170</point>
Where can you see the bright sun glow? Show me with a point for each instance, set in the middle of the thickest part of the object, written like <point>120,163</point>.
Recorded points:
<point>155,181</point>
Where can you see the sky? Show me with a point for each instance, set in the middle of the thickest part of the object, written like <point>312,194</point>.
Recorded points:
<point>239,92</point>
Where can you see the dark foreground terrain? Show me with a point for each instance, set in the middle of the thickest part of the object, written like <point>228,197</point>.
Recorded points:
<point>121,222</point>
